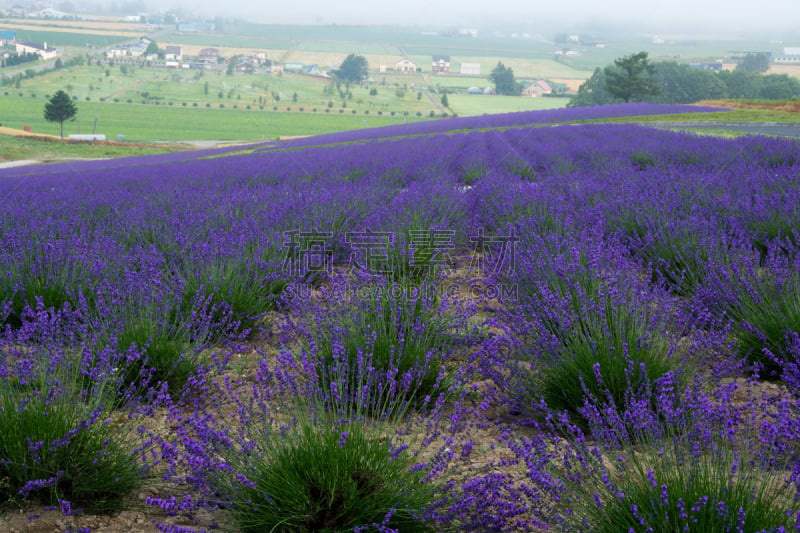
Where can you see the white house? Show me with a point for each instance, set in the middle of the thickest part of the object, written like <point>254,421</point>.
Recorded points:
<point>405,65</point>
<point>173,53</point>
<point>440,64</point>
<point>43,50</point>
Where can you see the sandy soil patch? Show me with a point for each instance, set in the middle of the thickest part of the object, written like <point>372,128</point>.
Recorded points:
<point>22,133</point>
<point>791,70</point>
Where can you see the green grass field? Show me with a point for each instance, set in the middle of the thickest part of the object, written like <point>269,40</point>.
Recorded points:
<point>469,105</point>
<point>138,122</point>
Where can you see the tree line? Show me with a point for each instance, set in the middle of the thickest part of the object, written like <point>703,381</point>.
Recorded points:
<point>635,78</point>
<point>20,59</point>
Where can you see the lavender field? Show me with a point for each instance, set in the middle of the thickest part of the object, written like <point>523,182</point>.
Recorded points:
<point>569,328</point>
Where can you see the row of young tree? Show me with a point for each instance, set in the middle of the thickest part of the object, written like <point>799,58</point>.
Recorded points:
<point>20,59</point>
<point>635,78</point>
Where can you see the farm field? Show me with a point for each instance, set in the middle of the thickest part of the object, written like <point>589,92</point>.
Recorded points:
<point>467,324</point>
<point>132,82</point>
<point>465,105</point>
<point>147,123</point>
<point>66,37</point>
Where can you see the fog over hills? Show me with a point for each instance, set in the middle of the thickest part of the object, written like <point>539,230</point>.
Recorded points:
<point>717,16</point>
<point>698,18</point>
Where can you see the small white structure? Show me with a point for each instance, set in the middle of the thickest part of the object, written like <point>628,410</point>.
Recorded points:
<point>50,13</point>
<point>88,137</point>
<point>471,69</point>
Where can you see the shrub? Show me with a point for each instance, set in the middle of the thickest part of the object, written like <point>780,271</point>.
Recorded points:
<point>719,496</point>
<point>59,446</point>
<point>323,479</point>
<point>675,254</point>
<point>766,320</point>
<point>611,357</point>
<point>395,329</point>
<point>715,478</point>
<point>596,333</point>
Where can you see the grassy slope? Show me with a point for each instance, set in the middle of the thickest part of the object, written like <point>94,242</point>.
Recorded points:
<point>737,115</point>
<point>161,122</point>
<point>15,148</point>
<point>469,105</point>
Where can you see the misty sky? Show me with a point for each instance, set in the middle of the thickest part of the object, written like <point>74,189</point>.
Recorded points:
<point>734,16</point>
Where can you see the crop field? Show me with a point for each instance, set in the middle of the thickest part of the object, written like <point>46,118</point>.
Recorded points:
<point>60,38</point>
<point>459,325</point>
<point>75,26</point>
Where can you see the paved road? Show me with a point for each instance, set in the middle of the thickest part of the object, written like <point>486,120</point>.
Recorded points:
<point>781,129</point>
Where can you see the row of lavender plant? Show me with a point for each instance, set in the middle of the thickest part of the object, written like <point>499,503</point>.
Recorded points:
<point>637,254</point>
<point>501,120</point>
